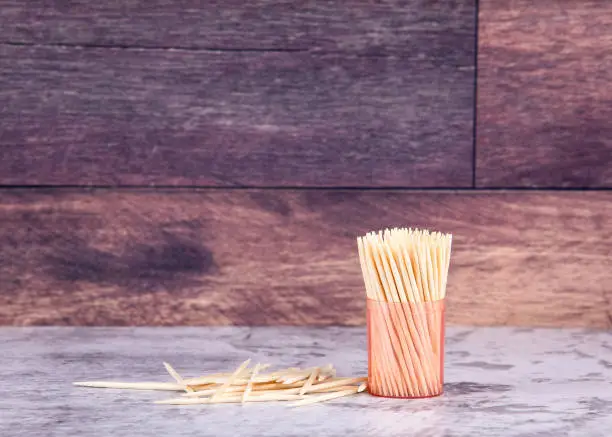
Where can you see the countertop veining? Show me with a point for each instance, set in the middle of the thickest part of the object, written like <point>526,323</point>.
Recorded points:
<point>499,382</point>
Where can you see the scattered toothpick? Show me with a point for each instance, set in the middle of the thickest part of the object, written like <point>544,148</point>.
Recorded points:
<point>249,386</point>
<point>177,377</point>
<point>243,385</point>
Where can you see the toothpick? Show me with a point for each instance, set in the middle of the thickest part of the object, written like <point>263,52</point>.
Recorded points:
<point>310,381</point>
<point>161,386</point>
<point>249,386</point>
<point>226,384</point>
<point>177,377</point>
<point>231,399</point>
<point>312,399</point>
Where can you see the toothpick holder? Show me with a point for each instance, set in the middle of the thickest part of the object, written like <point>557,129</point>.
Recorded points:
<point>405,348</point>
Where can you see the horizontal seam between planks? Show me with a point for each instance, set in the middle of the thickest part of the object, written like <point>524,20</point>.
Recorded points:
<point>153,48</point>
<point>463,189</point>
<point>317,51</point>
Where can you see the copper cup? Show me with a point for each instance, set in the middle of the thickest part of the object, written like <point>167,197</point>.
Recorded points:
<point>405,348</point>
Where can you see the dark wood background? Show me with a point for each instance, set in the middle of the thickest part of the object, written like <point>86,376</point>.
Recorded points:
<point>184,163</point>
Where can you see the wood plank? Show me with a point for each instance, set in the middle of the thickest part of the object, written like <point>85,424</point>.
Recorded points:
<point>442,29</point>
<point>267,257</point>
<point>75,116</point>
<point>544,95</point>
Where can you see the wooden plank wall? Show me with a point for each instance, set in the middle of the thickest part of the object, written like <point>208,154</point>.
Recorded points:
<point>168,163</point>
<point>237,93</point>
<point>545,94</point>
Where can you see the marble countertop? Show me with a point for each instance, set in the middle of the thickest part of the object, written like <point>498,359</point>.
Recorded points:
<point>499,382</point>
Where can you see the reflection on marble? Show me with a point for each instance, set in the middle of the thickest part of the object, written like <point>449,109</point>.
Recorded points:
<point>499,382</point>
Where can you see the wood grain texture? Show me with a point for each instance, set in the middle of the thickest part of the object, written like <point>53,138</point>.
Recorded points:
<point>443,28</point>
<point>267,257</point>
<point>75,116</point>
<point>544,94</point>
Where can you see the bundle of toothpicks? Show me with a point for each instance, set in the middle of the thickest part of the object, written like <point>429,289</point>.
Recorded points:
<point>250,384</point>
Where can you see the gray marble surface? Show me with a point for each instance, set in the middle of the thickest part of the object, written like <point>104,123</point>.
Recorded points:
<point>499,382</point>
